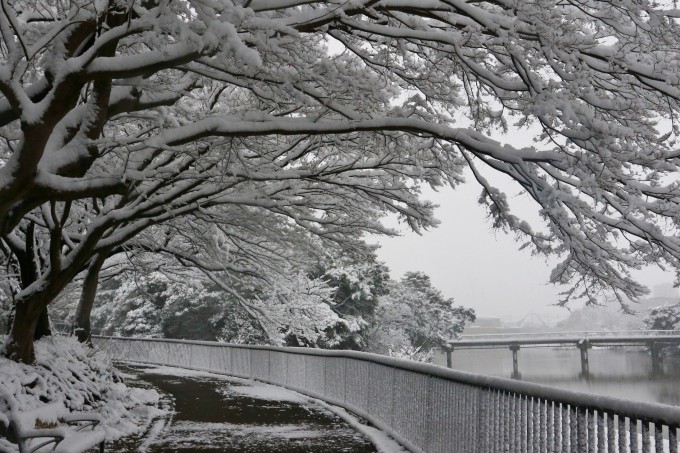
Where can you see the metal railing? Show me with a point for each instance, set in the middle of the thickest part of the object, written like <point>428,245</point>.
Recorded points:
<point>429,408</point>
<point>569,334</point>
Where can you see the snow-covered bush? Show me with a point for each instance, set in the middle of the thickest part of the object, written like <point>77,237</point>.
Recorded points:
<point>411,353</point>
<point>299,311</point>
<point>414,318</point>
<point>358,280</point>
<point>293,310</point>
<point>5,312</point>
<point>6,305</point>
<point>67,373</point>
<point>664,317</point>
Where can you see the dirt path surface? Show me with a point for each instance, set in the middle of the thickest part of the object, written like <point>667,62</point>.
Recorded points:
<point>213,413</point>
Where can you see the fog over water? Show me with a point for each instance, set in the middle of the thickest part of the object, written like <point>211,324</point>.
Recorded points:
<point>623,373</point>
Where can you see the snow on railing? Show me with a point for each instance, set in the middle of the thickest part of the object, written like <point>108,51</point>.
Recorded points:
<point>429,408</point>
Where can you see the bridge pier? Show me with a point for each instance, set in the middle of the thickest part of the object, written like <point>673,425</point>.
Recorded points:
<point>515,364</point>
<point>656,351</point>
<point>655,341</point>
<point>583,346</point>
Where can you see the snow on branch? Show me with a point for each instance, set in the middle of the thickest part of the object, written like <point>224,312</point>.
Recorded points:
<point>320,117</point>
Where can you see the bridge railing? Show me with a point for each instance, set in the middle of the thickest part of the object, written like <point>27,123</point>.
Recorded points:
<point>585,334</point>
<point>429,408</point>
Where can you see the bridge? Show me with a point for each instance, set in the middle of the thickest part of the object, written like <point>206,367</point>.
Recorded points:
<point>427,408</point>
<point>654,340</point>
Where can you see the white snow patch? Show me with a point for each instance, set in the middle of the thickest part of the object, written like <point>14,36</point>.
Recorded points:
<point>153,434</point>
<point>382,441</point>
<point>182,372</point>
<point>284,431</point>
<point>188,434</point>
<point>267,392</point>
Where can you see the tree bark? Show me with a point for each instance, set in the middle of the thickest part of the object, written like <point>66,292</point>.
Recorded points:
<point>28,309</point>
<point>28,271</point>
<point>20,345</point>
<point>42,328</point>
<point>82,328</point>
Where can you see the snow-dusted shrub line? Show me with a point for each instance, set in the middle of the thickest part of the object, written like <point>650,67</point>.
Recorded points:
<point>652,412</point>
<point>65,378</point>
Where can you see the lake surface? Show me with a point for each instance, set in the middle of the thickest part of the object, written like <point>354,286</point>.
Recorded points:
<point>623,373</point>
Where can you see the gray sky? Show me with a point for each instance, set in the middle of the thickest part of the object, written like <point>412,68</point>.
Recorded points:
<point>482,268</point>
<point>479,267</point>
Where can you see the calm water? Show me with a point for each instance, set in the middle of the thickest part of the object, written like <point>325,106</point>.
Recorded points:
<point>614,372</point>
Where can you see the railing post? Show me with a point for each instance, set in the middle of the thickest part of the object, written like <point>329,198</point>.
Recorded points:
<point>449,358</point>
<point>673,439</point>
<point>484,416</point>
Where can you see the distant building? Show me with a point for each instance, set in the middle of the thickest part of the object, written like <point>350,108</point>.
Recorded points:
<point>610,316</point>
<point>529,324</point>
<point>487,322</point>
<point>484,326</point>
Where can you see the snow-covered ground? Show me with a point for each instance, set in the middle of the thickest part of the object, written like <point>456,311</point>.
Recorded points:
<point>65,378</point>
<point>165,407</point>
<point>235,415</point>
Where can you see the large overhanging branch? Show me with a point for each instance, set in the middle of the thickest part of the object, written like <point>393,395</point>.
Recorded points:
<point>290,124</point>
<point>267,125</point>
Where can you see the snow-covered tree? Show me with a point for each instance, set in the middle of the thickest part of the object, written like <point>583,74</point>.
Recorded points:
<point>295,310</point>
<point>234,247</point>
<point>298,311</point>
<point>664,317</point>
<point>171,305</point>
<point>358,280</point>
<point>121,116</point>
<point>414,318</point>
<point>190,278</point>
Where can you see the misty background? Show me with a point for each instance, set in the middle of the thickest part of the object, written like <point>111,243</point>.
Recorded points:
<point>483,268</point>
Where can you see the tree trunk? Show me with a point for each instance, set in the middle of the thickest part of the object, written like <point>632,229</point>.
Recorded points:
<point>33,299</point>
<point>42,328</point>
<point>20,345</point>
<point>10,321</point>
<point>81,326</point>
<point>30,306</point>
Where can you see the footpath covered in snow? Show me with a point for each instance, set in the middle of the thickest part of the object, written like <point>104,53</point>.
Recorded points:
<point>214,413</point>
<point>145,408</point>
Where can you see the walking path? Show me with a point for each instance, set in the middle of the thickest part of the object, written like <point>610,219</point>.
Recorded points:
<point>214,413</point>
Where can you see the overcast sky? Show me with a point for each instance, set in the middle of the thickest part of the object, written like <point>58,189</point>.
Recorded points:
<point>480,267</point>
